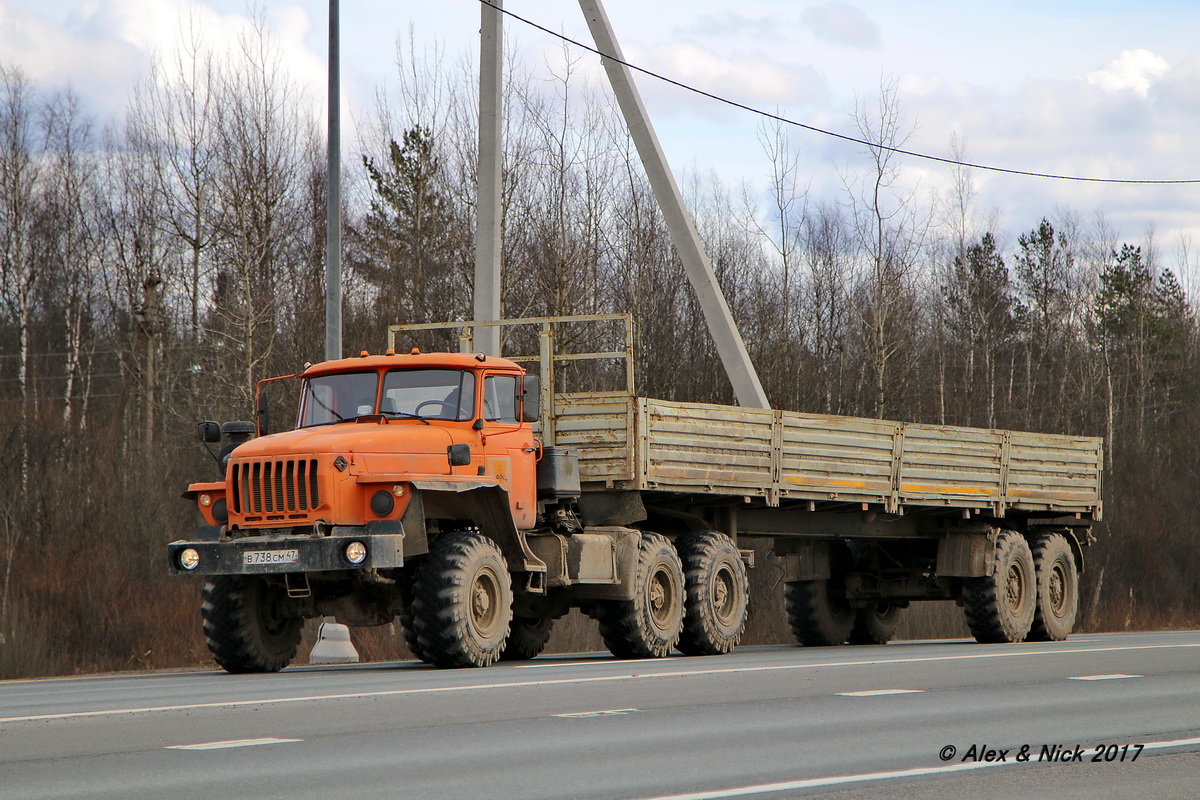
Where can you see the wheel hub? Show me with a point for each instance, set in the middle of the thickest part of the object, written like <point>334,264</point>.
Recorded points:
<point>1015,587</point>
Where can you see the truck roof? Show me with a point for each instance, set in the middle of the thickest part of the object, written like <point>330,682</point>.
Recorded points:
<point>413,359</point>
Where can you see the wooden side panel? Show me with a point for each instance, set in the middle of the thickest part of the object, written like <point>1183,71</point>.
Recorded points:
<point>836,458</point>
<point>719,449</point>
<point>951,466</point>
<point>1054,472</point>
<point>600,428</point>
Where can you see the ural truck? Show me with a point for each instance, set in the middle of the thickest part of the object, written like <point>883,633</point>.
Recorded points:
<point>477,503</point>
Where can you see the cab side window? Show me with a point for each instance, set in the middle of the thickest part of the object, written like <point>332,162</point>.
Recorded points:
<point>500,398</point>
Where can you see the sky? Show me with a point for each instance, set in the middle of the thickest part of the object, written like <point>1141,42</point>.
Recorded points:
<point>1099,89</point>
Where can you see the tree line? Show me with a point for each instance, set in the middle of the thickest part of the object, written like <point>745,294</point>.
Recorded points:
<point>152,269</point>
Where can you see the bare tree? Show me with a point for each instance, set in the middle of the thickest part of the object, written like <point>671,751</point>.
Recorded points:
<point>890,230</point>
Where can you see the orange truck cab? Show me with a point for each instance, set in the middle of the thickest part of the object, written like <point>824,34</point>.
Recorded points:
<point>389,454</point>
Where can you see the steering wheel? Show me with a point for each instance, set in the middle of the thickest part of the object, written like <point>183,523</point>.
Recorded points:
<point>440,403</point>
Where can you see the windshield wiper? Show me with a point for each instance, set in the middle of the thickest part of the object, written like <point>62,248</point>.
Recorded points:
<point>406,415</point>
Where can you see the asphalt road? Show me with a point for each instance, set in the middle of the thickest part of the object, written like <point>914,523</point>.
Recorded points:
<point>769,722</point>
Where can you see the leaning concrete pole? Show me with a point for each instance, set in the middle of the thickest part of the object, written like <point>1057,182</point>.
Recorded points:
<point>730,346</point>
<point>487,229</point>
<point>333,198</point>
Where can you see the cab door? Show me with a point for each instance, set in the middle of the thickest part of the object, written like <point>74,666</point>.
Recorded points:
<point>509,446</point>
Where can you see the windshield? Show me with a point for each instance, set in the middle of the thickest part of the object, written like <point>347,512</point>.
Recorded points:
<point>334,398</point>
<point>429,393</point>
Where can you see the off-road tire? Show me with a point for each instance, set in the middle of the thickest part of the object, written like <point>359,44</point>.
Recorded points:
<point>649,625</point>
<point>717,594</point>
<point>527,638</point>
<point>408,624</point>
<point>247,624</point>
<point>1057,588</point>
<point>818,612</point>
<point>462,601</point>
<point>875,624</point>
<point>999,608</point>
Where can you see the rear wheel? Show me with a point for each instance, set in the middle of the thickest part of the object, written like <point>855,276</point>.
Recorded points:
<point>1000,607</point>
<point>717,595</point>
<point>649,625</point>
<point>462,601</point>
<point>1057,588</point>
<point>875,624</point>
<point>249,624</point>
<point>527,638</point>
<point>819,614</point>
<point>817,610</point>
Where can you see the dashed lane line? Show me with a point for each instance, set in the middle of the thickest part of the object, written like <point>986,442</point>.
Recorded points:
<point>230,744</point>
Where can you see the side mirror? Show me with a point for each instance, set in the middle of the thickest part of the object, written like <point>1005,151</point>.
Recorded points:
<point>531,399</point>
<point>210,432</point>
<point>459,455</point>
<point>262,415</point>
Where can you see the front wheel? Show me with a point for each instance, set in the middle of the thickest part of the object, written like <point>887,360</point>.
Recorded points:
<point>249,625</point>
<point>462,601</point>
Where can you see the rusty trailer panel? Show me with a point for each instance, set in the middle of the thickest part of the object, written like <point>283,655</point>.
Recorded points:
<point>639,443</point>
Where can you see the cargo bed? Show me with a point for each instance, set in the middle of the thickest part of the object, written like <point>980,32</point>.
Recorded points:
<point>635,443</point>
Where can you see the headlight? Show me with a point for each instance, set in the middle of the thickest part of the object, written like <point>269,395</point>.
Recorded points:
<point>356,552</point>
<point>205,500</point>
<point>189,559</point>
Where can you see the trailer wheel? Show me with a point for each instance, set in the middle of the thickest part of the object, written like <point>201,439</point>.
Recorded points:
<point>248,624</point>
<point>1000,607</point>
<point>462,601</point>
<point>875,624</point>
<point>1057,588</point>
<point>717,594</point>
<point>527,639</point>
<point>649,625</point>
<point>818,613</point>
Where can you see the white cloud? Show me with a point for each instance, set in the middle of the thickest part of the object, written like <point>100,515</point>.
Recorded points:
<point>841,22</point>
<point>53,55</point>
<point>1134,69</point>
<point>103,47</point>
<point>745,80</point>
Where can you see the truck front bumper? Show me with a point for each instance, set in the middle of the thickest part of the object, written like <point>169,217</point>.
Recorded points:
<point>278,554</point>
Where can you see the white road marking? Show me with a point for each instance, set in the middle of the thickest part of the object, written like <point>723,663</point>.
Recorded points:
<point>596,662</point>
<point>880,692</point>
<point>1172,743</point>
<point>1113,677</point>
<point>230,744</point>
<point>869,777</point>
<point>650,674</point>
<point>615,712</point>
<point>817,783</point>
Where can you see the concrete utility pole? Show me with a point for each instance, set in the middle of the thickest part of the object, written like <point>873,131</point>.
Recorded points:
<point>730,347</point>
<point>487,229</point>
<point>333,199</point>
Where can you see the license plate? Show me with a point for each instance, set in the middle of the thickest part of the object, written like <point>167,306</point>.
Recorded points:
<point>271,557</point>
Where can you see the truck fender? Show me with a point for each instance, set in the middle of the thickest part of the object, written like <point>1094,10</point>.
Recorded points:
<point>486,504</point>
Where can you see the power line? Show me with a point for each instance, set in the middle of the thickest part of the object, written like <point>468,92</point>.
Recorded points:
<point>834,134</point>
